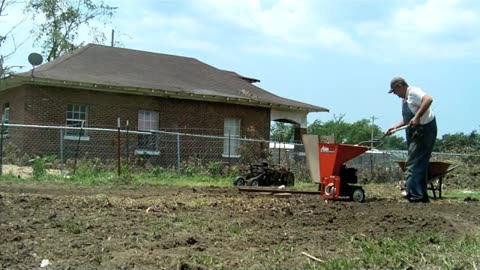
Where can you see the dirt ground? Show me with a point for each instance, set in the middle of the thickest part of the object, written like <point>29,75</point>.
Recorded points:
<point>203,228</point>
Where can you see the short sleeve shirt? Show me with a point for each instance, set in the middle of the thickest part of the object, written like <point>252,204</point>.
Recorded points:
<point>414,99</point>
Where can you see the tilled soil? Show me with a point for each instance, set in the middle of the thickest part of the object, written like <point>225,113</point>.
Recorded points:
<point>203,228</point>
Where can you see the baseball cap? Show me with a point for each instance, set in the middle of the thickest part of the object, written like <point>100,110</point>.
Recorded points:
<point>394,82</point>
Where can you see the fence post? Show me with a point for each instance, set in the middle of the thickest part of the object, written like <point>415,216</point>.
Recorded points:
<point>77,150</point>
<point>1,145</point>
<point>126,146</point>
<point>118,147</point>
<point>280,149</point>
<point>371,166</point>
<point>186,146</point>
<point>62,166</point>
<point>178,152</point>
<point>229,141</point>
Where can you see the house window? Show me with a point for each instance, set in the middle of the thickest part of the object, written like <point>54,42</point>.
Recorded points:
<point>231,132</point>
<point>76,117</point>
<point>6,117</point>
<point>148,143</point>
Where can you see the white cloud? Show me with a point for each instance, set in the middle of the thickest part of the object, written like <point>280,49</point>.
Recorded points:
<point>285,19</point>
<point>240,12</point>
<point>162,21</point>
<point>431,28</point>
<point>434,17</point>
<point>332,38</point>
<point>297,28</point>
<point>435,29</point>
<point>276,51</point>
<point>176,40</point>
<point>287,22</point>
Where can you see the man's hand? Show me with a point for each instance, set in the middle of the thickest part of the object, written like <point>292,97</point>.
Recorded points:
<point>414,122</point>
<point>390,131</point>
<point>395,128</point>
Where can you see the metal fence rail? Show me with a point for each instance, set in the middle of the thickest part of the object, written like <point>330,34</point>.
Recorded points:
<point>66,149</point>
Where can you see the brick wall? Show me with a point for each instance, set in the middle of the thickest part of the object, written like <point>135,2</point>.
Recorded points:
<point>47,106</point>
<point>16,98</point>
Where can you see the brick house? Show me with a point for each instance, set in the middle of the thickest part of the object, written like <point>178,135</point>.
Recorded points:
<point>95,85</point>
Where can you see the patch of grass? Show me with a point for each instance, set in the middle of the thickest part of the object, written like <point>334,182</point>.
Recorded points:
<point>10,178</point>
<point>159,229</point>
<point>461,194</point>
<point>234,229</point>
<point>74,227</point>
<point>205,260</point>
<point>97,178</point>
<point>425,251</point>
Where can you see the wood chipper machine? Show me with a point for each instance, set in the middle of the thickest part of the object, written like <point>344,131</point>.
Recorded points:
<point>326,162</point>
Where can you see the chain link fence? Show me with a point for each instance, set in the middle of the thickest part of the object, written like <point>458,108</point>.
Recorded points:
<point>65,149</point>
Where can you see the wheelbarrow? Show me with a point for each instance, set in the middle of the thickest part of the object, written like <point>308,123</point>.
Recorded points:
<point>436,171</point>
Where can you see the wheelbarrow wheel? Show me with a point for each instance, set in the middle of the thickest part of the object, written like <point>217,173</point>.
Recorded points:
<point>358,195</point>
<point>240,181</point>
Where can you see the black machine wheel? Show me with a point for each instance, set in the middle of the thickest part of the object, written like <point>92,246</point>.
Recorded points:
<point>240,181</point>
<point>290,179</point>
<point>254,183</point>
<point>358,195</point>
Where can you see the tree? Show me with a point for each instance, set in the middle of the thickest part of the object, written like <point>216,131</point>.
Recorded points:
<point>336,127</point>
<point>8,35</point>
<point>62,22</point>
<point>394,142</point>
<point>355,133</point>
<point>459,143</point>
<point>282,132</point>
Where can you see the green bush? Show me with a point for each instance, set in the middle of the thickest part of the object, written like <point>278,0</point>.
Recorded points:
<point>89,167</point>
<point>39,167</point>
<point>215,168</point>
<point>194,166</point>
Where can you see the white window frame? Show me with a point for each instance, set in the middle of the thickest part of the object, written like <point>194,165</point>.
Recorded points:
<point>231,132</point>
<point>148,121</point>
<point>75,114</point>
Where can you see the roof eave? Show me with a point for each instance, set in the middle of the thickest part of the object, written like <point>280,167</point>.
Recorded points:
<point>21,80</point>
<point>11,82</point>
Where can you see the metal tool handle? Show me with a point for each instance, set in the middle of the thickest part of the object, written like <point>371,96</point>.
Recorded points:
<point>393,131</point>
<point>399,128</point>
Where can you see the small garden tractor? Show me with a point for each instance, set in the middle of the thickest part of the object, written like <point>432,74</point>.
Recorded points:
<point>262,174</point>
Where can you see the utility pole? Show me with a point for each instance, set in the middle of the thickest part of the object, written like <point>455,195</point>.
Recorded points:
<point>371,133</point>
<point>113,37</point>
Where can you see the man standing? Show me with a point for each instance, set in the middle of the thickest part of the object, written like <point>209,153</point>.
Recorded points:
<point>421,134</point>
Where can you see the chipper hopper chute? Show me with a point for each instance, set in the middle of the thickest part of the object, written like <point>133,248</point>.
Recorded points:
<point>327,168</point>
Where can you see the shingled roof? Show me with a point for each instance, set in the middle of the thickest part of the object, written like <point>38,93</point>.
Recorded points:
<point>114,69</point>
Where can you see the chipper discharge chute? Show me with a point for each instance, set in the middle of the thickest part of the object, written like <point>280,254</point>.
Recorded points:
<point>326,165</point>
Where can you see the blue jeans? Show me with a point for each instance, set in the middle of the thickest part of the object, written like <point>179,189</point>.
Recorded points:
<point>420,146</point>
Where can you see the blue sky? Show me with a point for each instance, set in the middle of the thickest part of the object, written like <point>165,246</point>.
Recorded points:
<point>336,54</point>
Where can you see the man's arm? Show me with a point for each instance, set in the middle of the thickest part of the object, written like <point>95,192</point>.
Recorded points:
<point>426,102</point>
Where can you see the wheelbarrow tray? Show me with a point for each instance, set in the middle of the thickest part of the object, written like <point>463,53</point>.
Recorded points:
<point>436,170</point>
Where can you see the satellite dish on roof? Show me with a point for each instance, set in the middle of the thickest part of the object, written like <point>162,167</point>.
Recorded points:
<point>35,59</point>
